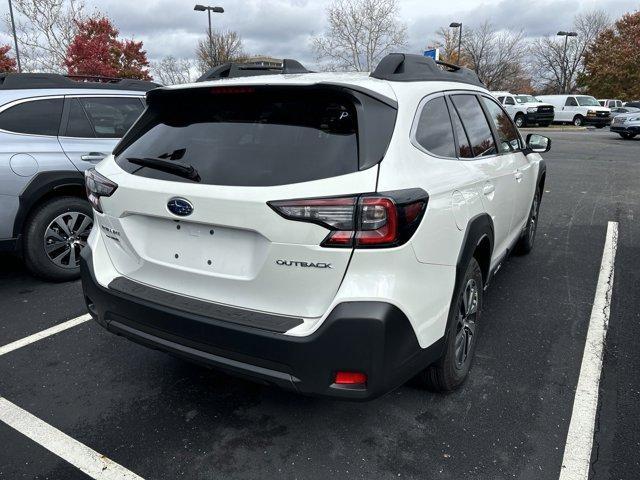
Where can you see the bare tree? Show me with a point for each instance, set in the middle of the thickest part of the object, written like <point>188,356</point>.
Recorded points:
<point>45,28</point>
<point>496,56</point>
<point>172,71</point>
<point>360,33</point>
<point>226,46</point>
<point>446,40</point>
<point>547,54</point>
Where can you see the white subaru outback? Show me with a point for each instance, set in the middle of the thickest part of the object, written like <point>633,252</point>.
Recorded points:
<point>328,233</point>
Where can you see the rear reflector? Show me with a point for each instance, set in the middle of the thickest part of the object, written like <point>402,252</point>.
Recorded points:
<point>363,221</point>
<point>350,378</point>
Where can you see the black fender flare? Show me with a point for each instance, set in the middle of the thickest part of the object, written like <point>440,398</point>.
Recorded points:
<point>40,186</point>
<point>542,176</point>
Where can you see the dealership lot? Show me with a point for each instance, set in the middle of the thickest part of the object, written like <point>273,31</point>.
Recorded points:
<point>163,418</point>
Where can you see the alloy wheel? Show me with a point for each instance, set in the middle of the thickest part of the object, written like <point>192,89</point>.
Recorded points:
<point>466,323</point>
<point>65,237</point>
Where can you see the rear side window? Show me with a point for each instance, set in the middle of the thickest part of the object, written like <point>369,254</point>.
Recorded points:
<point>508,137</point>
<point>510,101</point>
<point>433,131</point>
<point>244,136</point>
<point>111,117</point>
<point>78,123</point>
<point>475,124</point>
<point>36,117</point>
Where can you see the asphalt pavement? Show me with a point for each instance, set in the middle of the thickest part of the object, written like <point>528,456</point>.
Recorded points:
<point>163,418</point>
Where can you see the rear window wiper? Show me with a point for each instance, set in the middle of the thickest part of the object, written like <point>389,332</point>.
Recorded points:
<point>168,166</point>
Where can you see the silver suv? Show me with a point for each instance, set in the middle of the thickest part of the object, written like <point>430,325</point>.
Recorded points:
<point>52,128</point>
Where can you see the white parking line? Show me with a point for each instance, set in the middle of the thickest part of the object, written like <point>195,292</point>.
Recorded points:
<point>577,451</point>
<point>10,347</point>
<point>77,454</point>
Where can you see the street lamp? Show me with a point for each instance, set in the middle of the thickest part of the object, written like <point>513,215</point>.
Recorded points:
<point>458,25</point>
<point>206,8</point>
<point>563,79</point>
<point>15,37</point>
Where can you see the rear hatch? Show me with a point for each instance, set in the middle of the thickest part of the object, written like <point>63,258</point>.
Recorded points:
<point>191,213</point>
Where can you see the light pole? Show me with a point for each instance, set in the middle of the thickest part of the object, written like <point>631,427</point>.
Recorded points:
<point>458,25</point>
<point>15,37</point>
<point>206,8</point>
<point>563,78</point>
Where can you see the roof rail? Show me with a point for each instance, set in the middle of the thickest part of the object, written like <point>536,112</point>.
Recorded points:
<point>18,81</point>
<point>236,70</point>
<point>405,67</point>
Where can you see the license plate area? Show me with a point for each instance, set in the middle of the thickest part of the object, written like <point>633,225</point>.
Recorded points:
<point>204,248</point>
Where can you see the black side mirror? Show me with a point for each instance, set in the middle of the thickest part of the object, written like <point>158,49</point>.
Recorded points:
<point>538,143</point>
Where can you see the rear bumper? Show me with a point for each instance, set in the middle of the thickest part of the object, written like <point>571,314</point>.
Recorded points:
<point>374,338</point>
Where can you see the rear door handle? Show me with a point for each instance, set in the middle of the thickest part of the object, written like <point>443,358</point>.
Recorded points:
<point>93,157</point>
<point>488,188</point>
<point>518,176</point>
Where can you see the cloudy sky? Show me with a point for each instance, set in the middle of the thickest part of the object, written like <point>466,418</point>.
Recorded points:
<point>283,28</point>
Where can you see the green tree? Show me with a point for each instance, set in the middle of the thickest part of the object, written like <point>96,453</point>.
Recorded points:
<point>611,62</point>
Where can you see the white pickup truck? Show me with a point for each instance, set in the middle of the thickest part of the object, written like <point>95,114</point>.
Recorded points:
<point>526,109</point>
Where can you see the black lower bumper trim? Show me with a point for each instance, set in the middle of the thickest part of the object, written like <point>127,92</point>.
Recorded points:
<point>374,338</point>
<point>629,130</point>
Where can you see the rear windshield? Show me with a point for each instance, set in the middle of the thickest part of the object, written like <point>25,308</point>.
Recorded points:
<point>245,137</point>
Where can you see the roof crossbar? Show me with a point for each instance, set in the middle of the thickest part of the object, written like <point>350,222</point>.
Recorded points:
<point>405,67</point>
<point>236,70</point>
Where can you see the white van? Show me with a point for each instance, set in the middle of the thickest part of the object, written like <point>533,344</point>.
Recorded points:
<point>578,109</point>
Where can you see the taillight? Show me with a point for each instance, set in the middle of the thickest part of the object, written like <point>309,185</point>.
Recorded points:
<point>97,186</point>
<point>369,220</point>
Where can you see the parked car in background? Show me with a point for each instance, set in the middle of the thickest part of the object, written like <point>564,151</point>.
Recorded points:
<point>610,103</point>
<point>627,125</point>
<point>579,110</point>
<point>618,110</point>
<point>526,109</point>
<point>331,233</point>
<point>51,129</point>
<point>635,103</point>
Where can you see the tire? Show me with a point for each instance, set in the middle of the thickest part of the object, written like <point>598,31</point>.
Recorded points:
<point>627,136</point>
<point>520,121</point>
<point>525,244</point>
<point>54,235</point>
<point>578,121</point>
<point>451,370</point>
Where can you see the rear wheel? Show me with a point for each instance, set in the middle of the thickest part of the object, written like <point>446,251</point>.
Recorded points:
<point>525,244</point>
<point>450,371</point>
<point>54,237</point>
<point>520,120</point>
<point>578,120</point>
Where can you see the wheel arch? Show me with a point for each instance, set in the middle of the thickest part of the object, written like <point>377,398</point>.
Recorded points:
<point>478,243</point>
<point>42,188</point>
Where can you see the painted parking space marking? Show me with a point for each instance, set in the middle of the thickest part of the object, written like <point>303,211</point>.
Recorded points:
<point>77,454</point>
<point>23,342</point>
<point>577,452</point>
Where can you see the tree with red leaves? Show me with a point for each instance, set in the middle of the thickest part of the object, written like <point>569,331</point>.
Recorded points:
<point>7,64</point>
<point>612,61</point>
<point>96,50</point>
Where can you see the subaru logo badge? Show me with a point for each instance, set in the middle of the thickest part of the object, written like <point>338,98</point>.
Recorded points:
<point>180,207</point>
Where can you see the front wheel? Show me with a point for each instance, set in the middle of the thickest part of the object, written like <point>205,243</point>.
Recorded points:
<point>627,136</point>
<point>525,244</point>
<point>54,236</point>
<point>451,370</point>
<point>578,121</point>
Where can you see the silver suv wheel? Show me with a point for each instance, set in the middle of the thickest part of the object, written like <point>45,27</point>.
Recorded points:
<point>65,237</point>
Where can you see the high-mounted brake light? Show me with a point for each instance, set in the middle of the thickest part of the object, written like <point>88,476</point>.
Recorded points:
<point>231,90</point>
<point>97,186</point>
<point>363,221</point>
